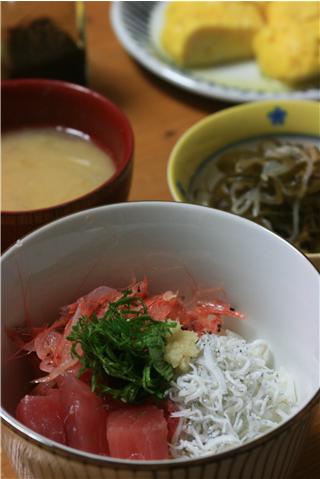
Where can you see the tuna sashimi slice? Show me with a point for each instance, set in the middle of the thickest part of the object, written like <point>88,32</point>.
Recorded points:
<point>138,432</point>
<point>173,422</point>
<point>85,416</point>
<point>43,414</point>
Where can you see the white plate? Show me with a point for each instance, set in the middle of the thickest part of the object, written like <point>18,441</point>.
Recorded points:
<point>135,24</point>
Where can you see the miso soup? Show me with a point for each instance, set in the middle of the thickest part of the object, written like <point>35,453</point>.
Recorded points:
<point>48,166</point>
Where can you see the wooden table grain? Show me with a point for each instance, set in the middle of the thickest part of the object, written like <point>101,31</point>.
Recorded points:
<point>160,114</point>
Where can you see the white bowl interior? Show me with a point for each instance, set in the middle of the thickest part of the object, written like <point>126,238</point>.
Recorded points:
<point>179,247</point>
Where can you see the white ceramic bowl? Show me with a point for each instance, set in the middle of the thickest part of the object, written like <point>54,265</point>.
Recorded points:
<point>178,246</point>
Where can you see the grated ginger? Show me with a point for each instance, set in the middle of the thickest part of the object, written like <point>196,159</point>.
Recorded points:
<point>181,348</point>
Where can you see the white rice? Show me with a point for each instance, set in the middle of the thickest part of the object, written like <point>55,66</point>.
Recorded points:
<point>230,396</point>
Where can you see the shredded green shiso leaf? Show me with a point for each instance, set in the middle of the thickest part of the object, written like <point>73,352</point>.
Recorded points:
<point>124,350</point>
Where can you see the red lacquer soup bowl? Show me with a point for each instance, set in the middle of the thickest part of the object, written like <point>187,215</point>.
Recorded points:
<point>46,103</point>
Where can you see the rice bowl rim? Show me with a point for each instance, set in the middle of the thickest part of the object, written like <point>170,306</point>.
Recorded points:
<point>95,459</point>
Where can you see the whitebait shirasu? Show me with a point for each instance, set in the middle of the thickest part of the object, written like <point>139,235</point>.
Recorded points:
<point>229,396</point>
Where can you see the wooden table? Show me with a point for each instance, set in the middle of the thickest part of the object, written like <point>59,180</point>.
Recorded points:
<point>160,114</point>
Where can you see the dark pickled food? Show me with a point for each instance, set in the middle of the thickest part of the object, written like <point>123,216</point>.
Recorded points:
<point>274,183</point>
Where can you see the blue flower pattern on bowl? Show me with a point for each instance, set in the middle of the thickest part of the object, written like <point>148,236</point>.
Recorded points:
<point>277,116</point>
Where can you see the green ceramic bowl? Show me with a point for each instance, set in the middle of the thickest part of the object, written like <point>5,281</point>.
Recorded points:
<point>233,125</point>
